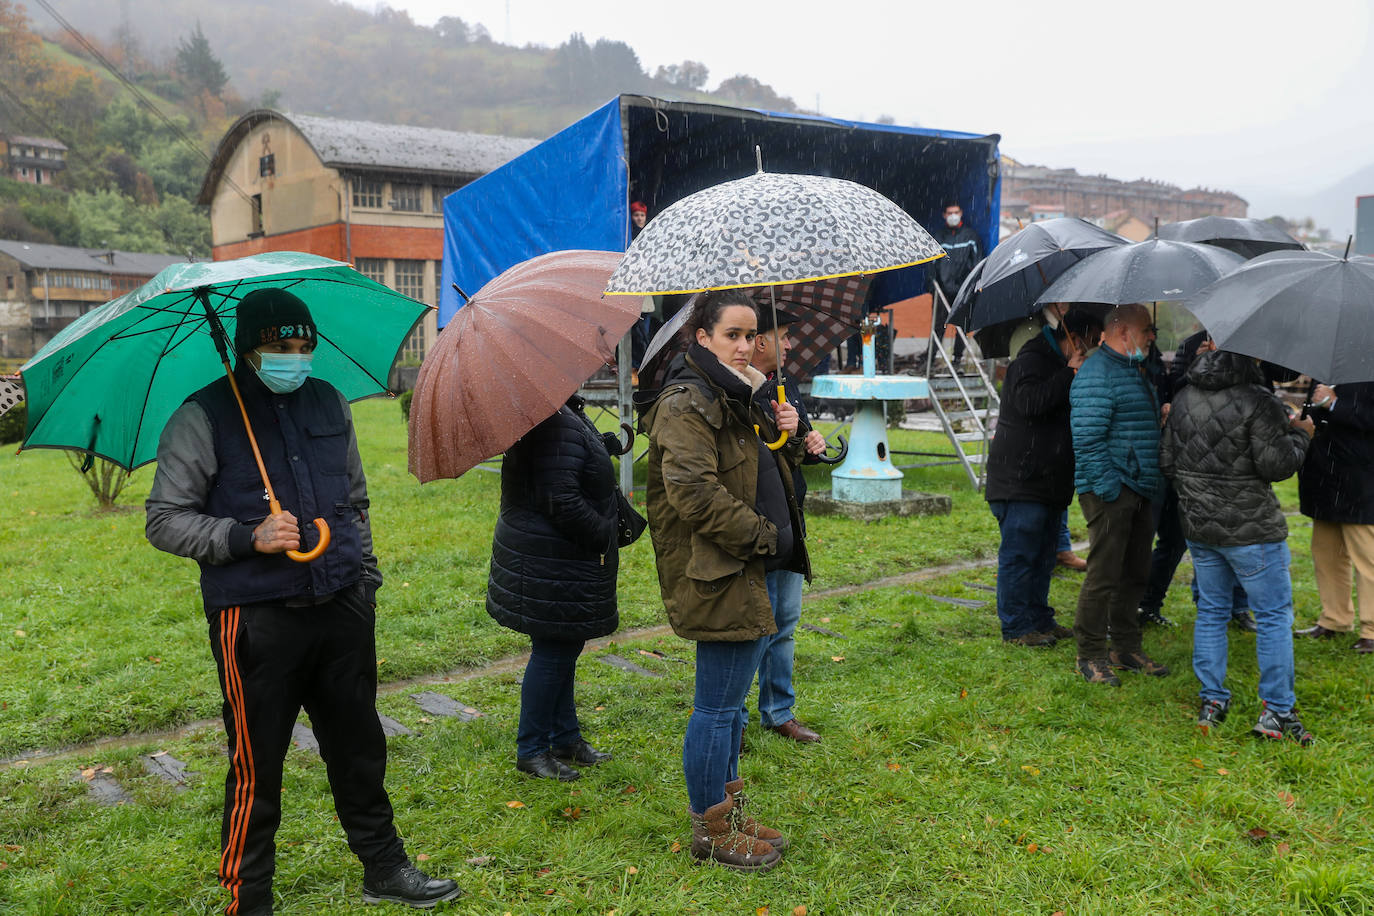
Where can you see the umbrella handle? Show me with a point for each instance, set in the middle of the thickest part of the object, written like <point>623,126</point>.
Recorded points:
<point>782,439</point>
<point>305,557</point>
<point>844,450</point>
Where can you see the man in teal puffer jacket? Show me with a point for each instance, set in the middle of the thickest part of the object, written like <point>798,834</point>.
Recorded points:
<point>1115,422</point>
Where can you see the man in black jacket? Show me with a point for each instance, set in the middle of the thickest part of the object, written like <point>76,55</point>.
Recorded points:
<point>776,693</point>
<point>1336,489</point>
<point>1226,441</point>
<point>285,635</point>
<point>962,254</point>
<point>1030,481</point>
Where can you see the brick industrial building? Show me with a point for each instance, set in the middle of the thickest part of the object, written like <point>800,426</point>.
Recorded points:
<point>356,191</point>
<point>1029,191</point>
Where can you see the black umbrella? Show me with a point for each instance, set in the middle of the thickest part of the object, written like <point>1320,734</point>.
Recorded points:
<point>1151,271</point>
<point>1248,238</point>
<point>1306,310</point>
<point>1023,265</point>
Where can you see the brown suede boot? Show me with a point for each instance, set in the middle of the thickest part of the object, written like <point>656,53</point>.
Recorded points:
<point>746,824</point>
<point>715,839</point>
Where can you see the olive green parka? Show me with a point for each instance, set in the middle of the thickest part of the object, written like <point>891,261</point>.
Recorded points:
<point>710,543</point>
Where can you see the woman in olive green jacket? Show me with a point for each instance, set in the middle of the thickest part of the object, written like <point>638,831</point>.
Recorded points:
<point>721,514</point>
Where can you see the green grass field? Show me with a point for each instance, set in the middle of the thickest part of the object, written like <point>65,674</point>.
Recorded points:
<point>957,775</point>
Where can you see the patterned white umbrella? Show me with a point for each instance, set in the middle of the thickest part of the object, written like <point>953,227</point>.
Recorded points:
<point>770,228</point>
<point>11,393</point>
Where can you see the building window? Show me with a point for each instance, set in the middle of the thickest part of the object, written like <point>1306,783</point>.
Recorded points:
<point>257,215</point>
<point>440,192</point>
<point>367,193</point>
<point>372,268</point>
<point>438,281</point>
<point>267,165</point>
<point>406,197</point>
<point>9,282</point>
<point>410,279</point>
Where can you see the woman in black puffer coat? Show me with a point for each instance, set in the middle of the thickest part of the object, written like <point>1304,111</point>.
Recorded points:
<point>553,575</point>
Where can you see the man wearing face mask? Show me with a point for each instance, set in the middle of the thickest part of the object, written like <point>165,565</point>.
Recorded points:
<point>285,635</point>
<point>962,254</point>
<point>1114,417</point>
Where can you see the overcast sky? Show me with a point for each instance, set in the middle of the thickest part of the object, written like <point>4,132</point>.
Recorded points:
<point>1266,98</point>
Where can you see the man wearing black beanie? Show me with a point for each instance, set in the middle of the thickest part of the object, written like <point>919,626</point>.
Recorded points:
<point>285,635</point>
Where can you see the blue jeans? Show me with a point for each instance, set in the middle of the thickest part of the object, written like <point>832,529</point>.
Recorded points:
<point>1025,560</point>
<point>776,696</point>
<point>1262,570</point>
<point>710,750</point>
<point>1065,543</point>
<point>548,717</point>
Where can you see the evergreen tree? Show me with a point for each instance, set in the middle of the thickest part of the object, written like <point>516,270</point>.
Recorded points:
<point>199,65</point>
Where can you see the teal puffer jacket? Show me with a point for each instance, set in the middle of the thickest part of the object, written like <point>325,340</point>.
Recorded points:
<point>1115,422</point>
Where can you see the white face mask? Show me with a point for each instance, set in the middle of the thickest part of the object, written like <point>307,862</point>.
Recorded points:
<point>953,220</point>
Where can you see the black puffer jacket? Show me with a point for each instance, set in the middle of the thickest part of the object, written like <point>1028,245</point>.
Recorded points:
<point>1226,441</point>
<point>1337,480</point>
<point>1031,458</point>
<point>554,555</point>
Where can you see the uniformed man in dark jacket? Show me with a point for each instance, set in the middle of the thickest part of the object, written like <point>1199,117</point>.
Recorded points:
<point>285,635</point>
<point>1030,481</point>
<point>1226,441</point>
<point>962,253</point>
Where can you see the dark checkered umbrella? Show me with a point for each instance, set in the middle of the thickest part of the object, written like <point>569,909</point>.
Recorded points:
<point>827,312</point>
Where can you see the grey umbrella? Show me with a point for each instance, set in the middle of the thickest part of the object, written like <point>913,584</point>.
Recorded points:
<point>1022,266</point>
<point>1151,271</point>
<point>1306,310</point>
<point>1248,238</point>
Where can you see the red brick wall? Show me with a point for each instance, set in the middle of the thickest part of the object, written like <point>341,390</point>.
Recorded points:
<point>330,242</point>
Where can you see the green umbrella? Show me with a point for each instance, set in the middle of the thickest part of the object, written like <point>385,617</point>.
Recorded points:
<point>108,383</point>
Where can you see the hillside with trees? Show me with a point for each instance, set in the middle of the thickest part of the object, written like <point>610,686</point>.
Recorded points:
<point>133,172</point>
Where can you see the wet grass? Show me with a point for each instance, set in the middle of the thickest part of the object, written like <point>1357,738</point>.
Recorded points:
<point>957,775</point>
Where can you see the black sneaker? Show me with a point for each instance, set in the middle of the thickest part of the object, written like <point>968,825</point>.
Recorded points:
<point>580,753</point>
<point>546,766</point>
<point>1244,622</point>
<point>1280,726</point>
<point>1097,671</point>
<point>407,884</point>
<point>1137,661</point>
<point>1036,640</point>
<point>1153,617</point>
<point>1212,714</point>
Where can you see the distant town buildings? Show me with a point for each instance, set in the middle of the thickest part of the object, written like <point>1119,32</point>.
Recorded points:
<point>35,160</point>
<point>1130,208</point>
<point>356,191</point>
<point>44,288</point>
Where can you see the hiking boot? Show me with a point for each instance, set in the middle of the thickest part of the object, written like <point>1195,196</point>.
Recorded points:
<point>746,824</point>
<point>715,839</point>
<point>1212,713</point>
<point>407,884</point>
<point>1244,622</point>
<point>1097,671</point>
<point>1137,661</point>
<point>1038,640</point>
<point>1277,726</point>
<point>1152,617</point>
<point>580,753</point>
<point>1061,632</point>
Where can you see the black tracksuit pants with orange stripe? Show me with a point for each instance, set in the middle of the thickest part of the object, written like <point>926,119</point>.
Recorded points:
<point>273,661</point>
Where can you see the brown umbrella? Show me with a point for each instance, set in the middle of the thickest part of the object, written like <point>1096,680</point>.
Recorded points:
<point>512,356</point>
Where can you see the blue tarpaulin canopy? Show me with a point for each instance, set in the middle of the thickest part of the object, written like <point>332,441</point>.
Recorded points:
<point>574,189</point>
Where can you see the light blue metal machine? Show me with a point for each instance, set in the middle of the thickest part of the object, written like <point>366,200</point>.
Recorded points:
<point>867,474</point>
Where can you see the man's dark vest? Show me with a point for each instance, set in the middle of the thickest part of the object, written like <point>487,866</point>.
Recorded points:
<point>304,444</point>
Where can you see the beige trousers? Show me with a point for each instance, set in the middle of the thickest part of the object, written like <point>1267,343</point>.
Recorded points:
<point>1341,553</point>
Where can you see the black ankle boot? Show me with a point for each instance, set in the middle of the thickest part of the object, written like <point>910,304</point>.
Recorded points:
<point>580,753</point>
<point>545,766</point>
<point>407,884</point>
